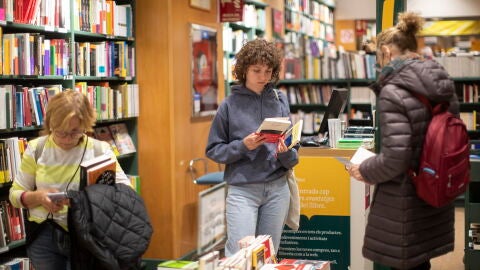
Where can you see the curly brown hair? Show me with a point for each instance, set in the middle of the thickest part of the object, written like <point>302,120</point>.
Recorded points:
<point>403,34</point>
<point>258,51</point>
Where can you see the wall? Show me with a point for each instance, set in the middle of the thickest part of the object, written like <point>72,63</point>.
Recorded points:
<point>167,137</point>
<point>365,9</point>
<point>355,9</point>
<point>445,8</point>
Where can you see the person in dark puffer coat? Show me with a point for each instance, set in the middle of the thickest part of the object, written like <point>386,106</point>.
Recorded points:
<point>110,228</point>
<point>404,232</point>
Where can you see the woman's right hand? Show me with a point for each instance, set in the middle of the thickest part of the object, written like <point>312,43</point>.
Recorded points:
<point>47,203</point>
<point>253,140</point>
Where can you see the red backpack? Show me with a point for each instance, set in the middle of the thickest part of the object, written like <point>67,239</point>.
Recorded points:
<point>444,171</point>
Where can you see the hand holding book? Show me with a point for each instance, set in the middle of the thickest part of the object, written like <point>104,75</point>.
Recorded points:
<point>277,128</point>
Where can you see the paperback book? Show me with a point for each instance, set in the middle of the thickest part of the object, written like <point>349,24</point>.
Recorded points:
<point>275,128</point>
<point>177,264</point>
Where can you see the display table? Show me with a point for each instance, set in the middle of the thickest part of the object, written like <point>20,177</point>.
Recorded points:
<point>333,212</point>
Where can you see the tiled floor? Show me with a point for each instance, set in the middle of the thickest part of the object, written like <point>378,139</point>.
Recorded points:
<point>454,260</point>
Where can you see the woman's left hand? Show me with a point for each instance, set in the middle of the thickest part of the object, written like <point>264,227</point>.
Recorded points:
<point>354,171</point>
<point>281,146</point>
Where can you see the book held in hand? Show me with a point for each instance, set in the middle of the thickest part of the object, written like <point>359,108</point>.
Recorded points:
<point>275,128</point>
<point>99,170</point>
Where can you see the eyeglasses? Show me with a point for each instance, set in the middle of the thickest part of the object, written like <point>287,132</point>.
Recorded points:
<point>72,135</point>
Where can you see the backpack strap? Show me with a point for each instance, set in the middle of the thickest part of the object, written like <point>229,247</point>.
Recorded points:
<point>40,145</point>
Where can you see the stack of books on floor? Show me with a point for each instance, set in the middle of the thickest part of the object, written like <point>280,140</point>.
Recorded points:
<point>256,253</point>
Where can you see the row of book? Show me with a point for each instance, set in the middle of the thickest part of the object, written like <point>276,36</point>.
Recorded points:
<point>11,150</point>
<point>33,54</point>
<point>467,93</point>
<point>321,93</point>
<point>470,119</point>
<point>22,106</point>
<point>104,17</point>
<point>97,16</point>
<point>307,58</point>
<point>307,94</point>
<point>12,225</point>
<point>50,13</point>
<point>20,263</point>
<point>105,59</point>
<point>111,102</point>
<point>474,236</point>
<point>305,24</point>
<point>311,8</point>
<point>461,65</point>
<point>253,17</point>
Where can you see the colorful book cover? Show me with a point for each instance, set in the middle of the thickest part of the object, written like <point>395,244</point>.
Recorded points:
<point>104,134</point>
<point>123,141</point>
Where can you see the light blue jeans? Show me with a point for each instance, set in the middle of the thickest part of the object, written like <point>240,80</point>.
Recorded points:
<point>50,250</point>
<point>256,209</point>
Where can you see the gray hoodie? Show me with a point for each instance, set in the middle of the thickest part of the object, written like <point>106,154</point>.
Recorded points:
<point>239,115</point>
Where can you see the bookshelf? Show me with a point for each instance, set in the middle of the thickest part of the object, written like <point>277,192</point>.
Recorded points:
<point>91,55</point>
<point>472,218</point>
<point>235,34</point>
<point>314,65</point>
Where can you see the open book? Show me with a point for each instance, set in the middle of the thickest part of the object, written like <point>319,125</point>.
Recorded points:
<point>99,170</point>
<point>275,128</point>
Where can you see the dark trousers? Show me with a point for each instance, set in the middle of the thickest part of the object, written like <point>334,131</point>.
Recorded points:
<point>423,266</point>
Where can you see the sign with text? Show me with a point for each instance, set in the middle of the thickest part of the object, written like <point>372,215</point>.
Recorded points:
<point>231,10</point>
<point>324,232</point>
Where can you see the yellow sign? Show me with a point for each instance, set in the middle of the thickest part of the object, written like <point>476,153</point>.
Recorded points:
<point>387,14</point>
<point>324,187</point>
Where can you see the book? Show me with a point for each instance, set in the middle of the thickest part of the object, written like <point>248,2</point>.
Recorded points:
<point>99,170</point>
<point>279,266</point>
<point>274,125</point>
<point>258,256</point>
<point>316,264</point>
<point>122,139</point>
<point>209,261</point>
<point>104,134</point>
<point>177,264</point>
<point>275,128</point>
<point>294,134</point>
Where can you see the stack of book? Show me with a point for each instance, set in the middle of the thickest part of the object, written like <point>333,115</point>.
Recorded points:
<point>356,136</point>
<point>254,253</point>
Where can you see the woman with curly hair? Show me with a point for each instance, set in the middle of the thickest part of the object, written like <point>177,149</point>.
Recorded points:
<point>403,231</point>
<point>255,171</point>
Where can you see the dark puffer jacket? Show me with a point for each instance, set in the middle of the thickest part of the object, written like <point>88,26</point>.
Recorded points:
<point>403,231</point>
<point>109,227</point>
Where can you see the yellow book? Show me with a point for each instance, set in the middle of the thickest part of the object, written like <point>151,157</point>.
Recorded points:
<point>258,256</point>
<point>294,134</point>
<point>6,56</point>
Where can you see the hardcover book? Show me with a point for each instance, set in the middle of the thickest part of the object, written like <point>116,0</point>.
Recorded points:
<point>99,170</point>
<point>313,264</point>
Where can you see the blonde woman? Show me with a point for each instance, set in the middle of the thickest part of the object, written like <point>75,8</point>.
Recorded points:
<point>51,164</point>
